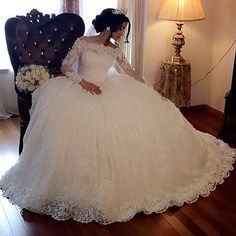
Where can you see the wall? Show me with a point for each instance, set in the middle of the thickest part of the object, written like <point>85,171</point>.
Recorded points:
<point>224,34</point>
<point>200,47</point>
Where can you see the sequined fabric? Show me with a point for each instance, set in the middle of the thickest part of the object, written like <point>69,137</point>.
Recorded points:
<point>106,157</point>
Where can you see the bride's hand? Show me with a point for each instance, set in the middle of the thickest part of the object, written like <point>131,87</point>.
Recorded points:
<point>90,87</point>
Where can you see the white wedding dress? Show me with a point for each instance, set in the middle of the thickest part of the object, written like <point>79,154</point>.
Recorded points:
<point>107,157</point>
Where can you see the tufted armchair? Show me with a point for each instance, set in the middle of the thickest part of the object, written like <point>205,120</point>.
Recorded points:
<point>39,39</point>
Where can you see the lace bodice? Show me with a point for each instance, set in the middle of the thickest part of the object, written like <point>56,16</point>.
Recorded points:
<point>95,60</point>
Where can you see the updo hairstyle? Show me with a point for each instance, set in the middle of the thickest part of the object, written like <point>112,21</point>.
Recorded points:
<point>112,18</point>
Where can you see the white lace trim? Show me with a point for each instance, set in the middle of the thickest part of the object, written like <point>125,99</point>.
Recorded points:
<point>81,46</point>
<point>100,49</point>
<point>62,209</point>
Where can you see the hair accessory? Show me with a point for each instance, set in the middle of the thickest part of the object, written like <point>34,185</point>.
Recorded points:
<point>118,11</point>
<point>108,28</point>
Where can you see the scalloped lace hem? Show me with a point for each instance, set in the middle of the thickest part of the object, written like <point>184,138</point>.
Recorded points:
<point>64,210</point>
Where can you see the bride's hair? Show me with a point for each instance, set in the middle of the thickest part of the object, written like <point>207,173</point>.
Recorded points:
<point>112,18</point>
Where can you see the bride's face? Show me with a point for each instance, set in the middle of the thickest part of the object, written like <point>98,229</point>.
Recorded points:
<point>120,31</point>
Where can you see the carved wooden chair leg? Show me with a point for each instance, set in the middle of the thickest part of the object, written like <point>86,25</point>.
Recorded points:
<point>24,108</point>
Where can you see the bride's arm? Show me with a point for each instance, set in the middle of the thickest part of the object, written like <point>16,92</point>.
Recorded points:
<point>127,68</point>
<point>71,57</point>
<point>66,68</point>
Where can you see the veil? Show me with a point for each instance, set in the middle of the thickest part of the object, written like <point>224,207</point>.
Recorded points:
<point>91,31</point>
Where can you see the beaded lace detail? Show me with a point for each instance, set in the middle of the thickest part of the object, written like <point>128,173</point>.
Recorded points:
<point>81,46</point>
<point>63,209</point>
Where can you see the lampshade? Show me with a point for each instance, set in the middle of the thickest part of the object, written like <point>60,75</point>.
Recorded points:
<point>182,10</point>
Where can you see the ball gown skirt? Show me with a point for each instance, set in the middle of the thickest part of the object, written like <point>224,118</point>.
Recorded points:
<point>107,157</point>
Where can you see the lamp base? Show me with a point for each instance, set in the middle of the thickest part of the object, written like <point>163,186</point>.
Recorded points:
<point>177,59</point>
<point>178,42</point>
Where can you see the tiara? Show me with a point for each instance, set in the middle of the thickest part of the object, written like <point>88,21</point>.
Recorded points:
<point>118,11</point>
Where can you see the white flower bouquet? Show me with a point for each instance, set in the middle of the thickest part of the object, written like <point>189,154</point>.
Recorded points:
<point>30,77</point>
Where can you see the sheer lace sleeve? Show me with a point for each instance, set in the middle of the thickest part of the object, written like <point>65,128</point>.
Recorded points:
<point>127,68</point>
<point>71,57</point>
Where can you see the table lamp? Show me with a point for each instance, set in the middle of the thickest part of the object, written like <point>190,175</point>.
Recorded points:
<point>180,11</point>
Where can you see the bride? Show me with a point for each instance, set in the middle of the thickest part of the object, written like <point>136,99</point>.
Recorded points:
<point>105,147</point>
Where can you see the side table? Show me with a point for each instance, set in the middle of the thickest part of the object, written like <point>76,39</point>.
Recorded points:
<point>174,82</point>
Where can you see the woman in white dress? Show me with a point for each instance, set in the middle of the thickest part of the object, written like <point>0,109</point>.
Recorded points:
<point>105,147</point>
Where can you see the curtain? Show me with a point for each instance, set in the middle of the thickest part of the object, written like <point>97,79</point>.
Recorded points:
<point>8,97</point>
<point>134,50</point>
<point>71,6</point>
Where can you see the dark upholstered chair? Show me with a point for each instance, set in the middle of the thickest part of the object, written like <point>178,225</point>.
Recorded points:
<point>39,39</point>
<point>228,130</point>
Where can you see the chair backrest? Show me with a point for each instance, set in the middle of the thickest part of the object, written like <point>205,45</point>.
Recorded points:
<point>41,39</point>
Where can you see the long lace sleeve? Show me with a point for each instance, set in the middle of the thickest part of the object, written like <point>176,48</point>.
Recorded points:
<point>127,68</point>
<point>72,56</point>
